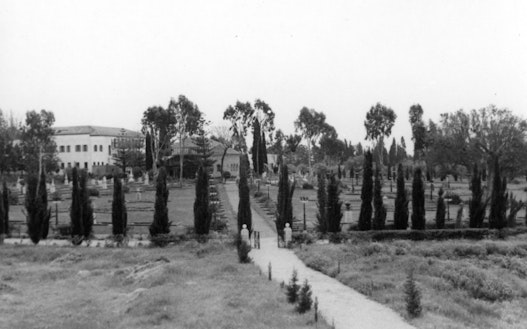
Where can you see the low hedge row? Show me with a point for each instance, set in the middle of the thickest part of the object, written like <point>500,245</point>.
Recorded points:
<point>414,235</point>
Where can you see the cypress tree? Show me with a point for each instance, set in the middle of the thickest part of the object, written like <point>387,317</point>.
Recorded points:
<point>352,174</point>
<point>87,209</point>
<point>293,288</point>
<point>263,153</point>
<point>44,211</point>
<point>202,212</point>
<point>119,215</point>
<point>418,201</point>
<point>440,211</point>
<point>160,224</point>
<point>498,206</point>
<point>322,201</point>
<point>476,204</point>
<point>77,229</point>
<point>400,215</point>
<point>244,205</point>
<point>32,204</point>
<point>412,296</point>
<point>255,150</point>
<point>5,200</point>
<point>2,219</point>
<point>379,218</point>
<point>304,298</point>
<point>334,210</point>
<point>339,172</point>
<point>149,161</point>
<point>284,211</point>
<point>389,175</point>
<point>366,193</point>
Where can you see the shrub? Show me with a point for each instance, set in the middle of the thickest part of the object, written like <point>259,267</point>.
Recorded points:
<point>303,237</point>
<point>284,207</point>
<point>498,203</point>
<point>379,218</point>
<point>93,192</point>
<point>13,198</point>
<point>454,198</point>
<point>476,204</point>
<point>125,188</point>
<point>400,215</point>
<point>243,252</point>
<point>412,296</point>
<point>226,174</point>
<point>334,206</point>
<point>304,298</point>
<point>292,288</point>
<point>322,199</point>
<point>418,201</point>
<point>440,210</point>
<point>307,186</point>
<point>55,196</point>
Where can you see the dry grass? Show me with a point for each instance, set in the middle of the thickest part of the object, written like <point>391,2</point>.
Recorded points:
<point>465,284</point>
<point>191,285</point>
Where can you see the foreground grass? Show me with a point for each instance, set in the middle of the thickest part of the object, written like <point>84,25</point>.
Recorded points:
<point>464,284</point>
<point>187,286</point>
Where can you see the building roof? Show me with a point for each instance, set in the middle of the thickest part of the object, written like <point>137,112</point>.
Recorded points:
<point>96,131</point>
<point>189,144</point>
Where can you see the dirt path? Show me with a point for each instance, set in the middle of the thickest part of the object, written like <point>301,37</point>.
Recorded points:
<point>338,303</point>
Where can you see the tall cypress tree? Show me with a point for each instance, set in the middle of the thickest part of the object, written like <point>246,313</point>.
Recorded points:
<point>5,200</point>
<point>77,229</point>
<point>498,206</point>
<point>263,153</point>
<point>87,209</point>
<point>418,201</point>
<point>244,205</point>
<point>366,193</point>
<point>476,204</point>
<point>379,218</point>
<point>160,224</point>
<point>149,161</point>
<point>322,201</point>
<point>202,212</point>
<point>32,204</point>
<point>44,211</point>
<point>119,215</point>
<point>284,211</point>
<point>334,210</point>
<point>400,215</point>
<point>255,150</point>
<point>440,211</point>
<point>2,219</point>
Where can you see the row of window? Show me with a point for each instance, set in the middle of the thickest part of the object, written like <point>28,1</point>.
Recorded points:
<point>67,148</point>
<point>76,164</point>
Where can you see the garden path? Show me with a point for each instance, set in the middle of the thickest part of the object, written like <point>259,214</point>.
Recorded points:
<point>338,304</point>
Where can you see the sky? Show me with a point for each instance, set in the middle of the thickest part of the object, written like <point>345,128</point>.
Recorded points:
<point>105,62</point>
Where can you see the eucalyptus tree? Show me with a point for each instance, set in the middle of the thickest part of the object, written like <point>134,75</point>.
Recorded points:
<point>379,122</point>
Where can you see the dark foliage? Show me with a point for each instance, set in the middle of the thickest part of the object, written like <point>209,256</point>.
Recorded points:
<point>202,211</point>
<point>477,205</point>
<point>322,200</point>
<point>77,229</point>
<point>119,215</point>
<point>284,205</point>
<point>334,206</point>
<point>255,149</point>
<point>149,161</point>
<point>38,214</point>
<point>263,152</point>
<point>244,205</point>
<point>379,218</point>
<point>366,193</point>
<point>292,288</point>
<point>304,298</point>
<point>339,172</point>
<point>160,224</point>
<point>5,200</point>
<point>2,218</point>
<point>418,201</point>
<point>498,203</point>
<point>412,296</point>
<point>400,215</point>
<point>440,211</point>
<point>87,209</point>
<point>243,252</point>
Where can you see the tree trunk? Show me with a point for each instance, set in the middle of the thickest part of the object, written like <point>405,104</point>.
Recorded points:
<point>180,160</point>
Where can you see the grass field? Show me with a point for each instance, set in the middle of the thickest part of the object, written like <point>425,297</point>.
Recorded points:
<point>464,284</point>
<point>191,285</point>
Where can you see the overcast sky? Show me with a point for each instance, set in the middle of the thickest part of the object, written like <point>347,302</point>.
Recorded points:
<point>105,62</point>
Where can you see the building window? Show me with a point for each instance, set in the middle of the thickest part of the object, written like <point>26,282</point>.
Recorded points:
<point>62,165</point>
<point>85,165</point>
<point>68,148</point>
<point>100,148</point>
<point>61,149</point>
<point>84,148</point>
<point>77,148</point>
<point>109,150</point>
<point>69,164</point>
<point>94,148</point>
<point>77,164</point>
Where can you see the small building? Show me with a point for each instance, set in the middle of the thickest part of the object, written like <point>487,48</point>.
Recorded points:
<point>88,147</point>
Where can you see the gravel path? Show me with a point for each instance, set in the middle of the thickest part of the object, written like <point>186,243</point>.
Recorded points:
<point>338,304</point>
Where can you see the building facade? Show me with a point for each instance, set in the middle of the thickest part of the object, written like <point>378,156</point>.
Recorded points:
<point>88,147</point>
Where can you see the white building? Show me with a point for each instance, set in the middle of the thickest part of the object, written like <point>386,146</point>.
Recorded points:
<point>89,146</point>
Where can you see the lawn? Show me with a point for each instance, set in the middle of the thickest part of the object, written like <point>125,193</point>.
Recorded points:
<point>190,285</point>
<point>464,284</point>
